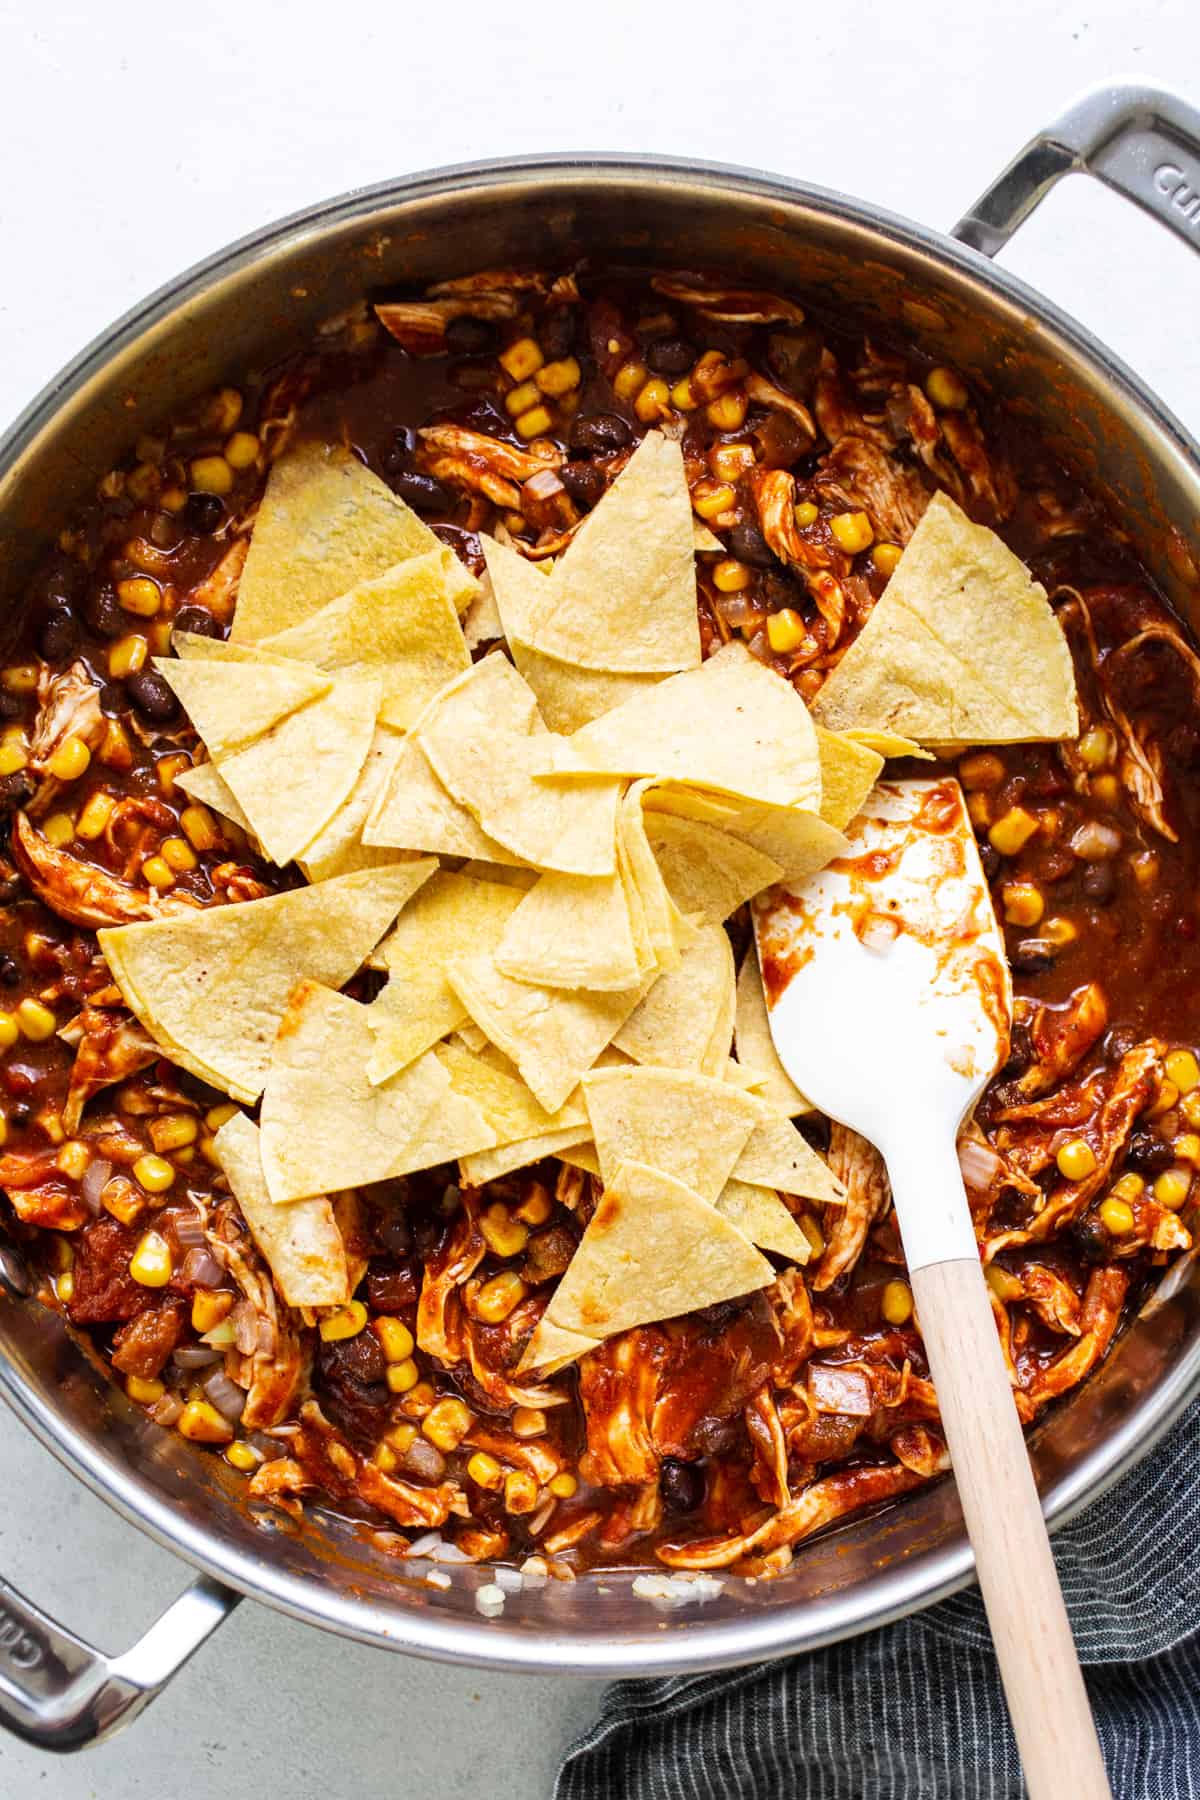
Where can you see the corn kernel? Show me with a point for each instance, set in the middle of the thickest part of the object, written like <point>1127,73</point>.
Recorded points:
<point>59,829</point>
<point>346,1322</point>
<point>1173,1187</point>
<point>1106,789</point>
<point>417,1399</point>
<point>3,1130</point>
<point>786,631</point>
<point>242,1456</point>
<point>1166,1098</point>
<point>120,1197</point>
<point>981,769</point>
<point>37,1022</point>
<point>504,1235</point>
<point>896,1303</point>
<point>1059,931</point>
<point>158,873</point>
<point>211,475</point>
<point>150,1265</point>
<point>1097,747</point>
<point>629,380</point>
<point>168,767</point>
<point>730,576</point>
<point>173,500</point>
<point>559,378</point>
<point>1116,1216</point>
<point>447,1424</point>
<point>10,1031</point>
<point>201,1423</point>
<point>522,359</point>
<point>144,1391</point>
<point>885,557</point>
<point>64,1287</point>
<point>535,423</point>
<point>728,411</point>
<point>401,1437</point>
<point>216,1116</point>
<point>497,1297</point>
<point>520,399</point>
<point>851,532</point>
<point>154,1173</point>
<point>70,759</point>
<point>73,1159</point>
<point>241,450</point>
<point>209,1307</point>
<point>1012,832</point>
<point>806,513</point>
<point>395,1339</point>
<point>1023,904</point>
<point>12,758</point>
<point>402,1377</point>
<point>654,401</point>
<point>979,809</point>
<point>114,752</point>
<point>127,656</point>
<point>945,389</point>
<point>97,811</point>
<point>1076,1159</point>
<point>729,462</point>
<point>1003,1284</point>
<point>812,1231</point>
<point>139,595</point>
<point>19,678</point>
<point>528,1421</point>
<point>1184,1070</point>
<point>178,854</point>
<point>710,499</point>
<point>160,634</point>
<point>385,1458</point>
<point>224,410</point>
<point>682,397</point>
<point>520,1492</point>
<point>485,1471</point>
<point>1189,1105</point>
<point>142,483</point>
<point>562,1486</point>
<point>537,1205</point>
<point>199,827</point>
<point>172,1131</point>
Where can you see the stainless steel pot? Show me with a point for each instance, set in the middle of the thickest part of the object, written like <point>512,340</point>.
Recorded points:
<point>248,306</point>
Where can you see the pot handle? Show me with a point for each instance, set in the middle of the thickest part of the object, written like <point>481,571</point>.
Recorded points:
<point>59,1693</point>
<point>1142,141</point>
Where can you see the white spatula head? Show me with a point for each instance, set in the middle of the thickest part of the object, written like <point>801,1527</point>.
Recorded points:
<point>887,986</point>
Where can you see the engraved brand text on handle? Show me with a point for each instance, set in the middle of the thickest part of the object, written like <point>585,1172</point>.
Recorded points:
<point>17,1645</point>
<point>1172,181</point>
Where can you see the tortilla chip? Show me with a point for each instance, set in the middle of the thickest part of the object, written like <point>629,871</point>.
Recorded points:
<point>552,1035</point>
<point>417,1008</point>
<point>622,596</point>
<point>551,1348</point>
<point>338,848</point>
<point>401,625</point>
<point>324,1125</point>
<point>192,646</point>
<point>653,1250</point>
<point>485,741</point>
<point>704,541</point>
<point>204,783</point>
<point>756,1047</point>
<point>686,1125</point>
<point>212,987</point>
<point>300,1243</point>
<point>506,874</point>
<point>490,1165</point>
<point>887,744</point>
<point>502,1097</point>
<point>848,773</point>
<point>482,623</point>
<point>731,725</point>
<point>760,1215</point>
<point>719,1050</point>
<point>667,931</point>
<point>291,781</point>
<point>799,841</point>
<point>413,811</point>
<point>232,703</point>
<point>962,647</point>
<point>673,1027</point>
<point>707,871</point>
<point>777,1156</point>
<point>572,931</point>
<point>325,523</point>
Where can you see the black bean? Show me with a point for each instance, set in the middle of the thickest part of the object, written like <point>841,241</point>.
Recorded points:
<point>1031,958</point>
<point>20,1114</point>
<point>197,619</point>
<point>778,590</point>
<point>750,546</point>
<point>670,355</point>
<point>203,513</point>
<point>151,695</point>
<point>103,613</point>
<point>11,706</point>
<point>681,1485</point>
<point>600,433</point>
<point>58,635</point>
<point>15,790</point>
<point>420,491</point>
<point>399,450</point>
<point>10,971</point>
<point>556,333</point>
<point>991,861</point>
<point>1099,882</point>
<point>1148,1153</point>
<point>583,481</point>
<point>423,1460</point>
<point>113,699</point>
<point>470,337</point>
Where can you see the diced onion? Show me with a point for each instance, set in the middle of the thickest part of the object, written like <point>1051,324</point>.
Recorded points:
<point>200,1268</point>
<point>95,1176</point>
<point>228,1398</point>
<point>834,1389</point>
<point>189,1231</point>
<point>979,1164</point>
<point>197,1356</point>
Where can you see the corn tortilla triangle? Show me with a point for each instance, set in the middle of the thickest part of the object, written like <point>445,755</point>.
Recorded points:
<point>211,988</point>
<point>849,771</point>
<point>483,1166</point>
<point>300,1243</point>
<point>232,703</point>
<point>687,1125</point>
<point>338,848</point>
<point>413,811</point>
<point>777,1156</point>
<point>204,783</point>
<point>673,1026</point>
<point>756,1047</point>
<point>708,871</point>
<point>760,1215</point>
<point>503,1098</point>
<point>572,931</point>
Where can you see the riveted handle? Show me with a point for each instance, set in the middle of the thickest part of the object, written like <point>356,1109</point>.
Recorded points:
<point>1141,141</point>
<point>59,1693</point>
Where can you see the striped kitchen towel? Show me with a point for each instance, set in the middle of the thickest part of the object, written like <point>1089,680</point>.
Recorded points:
<point>915,1712</point>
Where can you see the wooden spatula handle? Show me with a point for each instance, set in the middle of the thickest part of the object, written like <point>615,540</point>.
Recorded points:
<point>1047,1700</point>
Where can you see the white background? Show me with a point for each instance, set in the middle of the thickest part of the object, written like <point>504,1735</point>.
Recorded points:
<point>135,139</point>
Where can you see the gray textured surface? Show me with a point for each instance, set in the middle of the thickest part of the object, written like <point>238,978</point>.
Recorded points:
<point>142,141</point>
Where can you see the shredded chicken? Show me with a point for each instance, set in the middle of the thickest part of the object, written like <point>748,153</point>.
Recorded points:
<point>472,460</point>
<point>1140,760</point>
<point>69,707</point>
<point>270,1362</point>
<point>729,306</point>
<point>39,1193</point>
<point>109,1046</point>
<point>1099,1317</point>
<point>820,565</point>
<point>218,592</point>
<point>79,891</point>
<point>1062,1037</point>
<point>858,475</point>
<point>618,1386</point>
<point>860,1169</point>
<point>328,1460</point>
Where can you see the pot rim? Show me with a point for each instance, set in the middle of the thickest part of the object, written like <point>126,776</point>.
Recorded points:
<point>694,1645</point>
